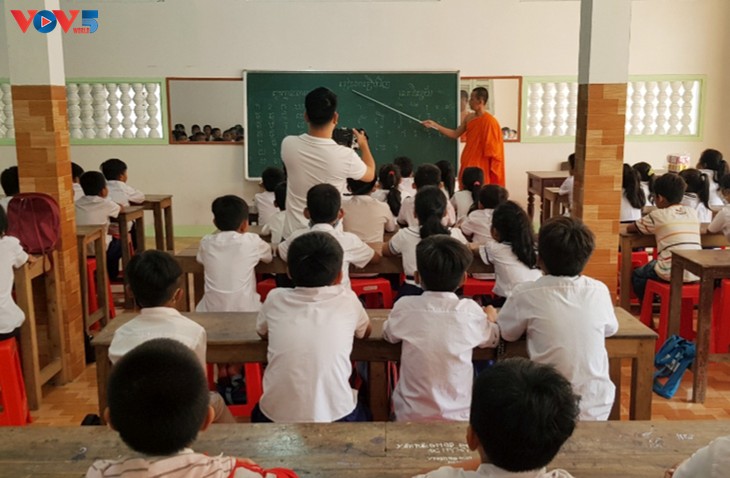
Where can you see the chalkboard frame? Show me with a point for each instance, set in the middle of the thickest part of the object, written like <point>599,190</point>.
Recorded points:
<point>245,73</point>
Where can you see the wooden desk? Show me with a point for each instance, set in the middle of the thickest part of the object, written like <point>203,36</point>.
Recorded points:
<point>134,214</point>
<point>34,374</point>
<point>537,181</point>
<point>360,450</point>
<point>161,207</point>
<point>96,235</point>
<point>708,265</point>
<point>555,203</point>
<point>232,338</point>
<point>629,241</point>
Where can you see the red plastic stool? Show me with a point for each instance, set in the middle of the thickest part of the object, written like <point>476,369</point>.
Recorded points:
<point>93,298</point>
<point>474,287</point>
<point>371,286</point>
<point>690,297</point>
<point>721,318</point>
<point>254,388</point>
<point>264,287</point>
<point>638,259</point>
<point>14,404</point>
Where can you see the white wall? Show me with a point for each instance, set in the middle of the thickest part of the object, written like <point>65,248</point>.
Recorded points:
<point>197,38</point>
<point>206,102</point>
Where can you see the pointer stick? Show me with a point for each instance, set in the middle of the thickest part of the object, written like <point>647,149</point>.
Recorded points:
<point>389,107</point>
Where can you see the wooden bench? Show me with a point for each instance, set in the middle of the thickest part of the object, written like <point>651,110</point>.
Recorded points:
<point>360,450</point>
<point>161,207</point>
<point>556,204</point>
<point>128,214</point>
<point>96,235</point>
<point>537,181</point>
<point>232,338</point>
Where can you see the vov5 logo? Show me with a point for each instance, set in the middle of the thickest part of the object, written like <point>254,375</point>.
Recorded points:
<point>45,21</point>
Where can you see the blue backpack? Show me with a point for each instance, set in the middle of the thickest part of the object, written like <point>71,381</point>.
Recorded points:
<point>672,360</point>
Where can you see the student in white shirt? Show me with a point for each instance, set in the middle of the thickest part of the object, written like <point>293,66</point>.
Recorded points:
<point>567,186</point>
<point>426,175</point>
<point>567,316</point>
<point>478,224</point>
<point>12,256</point>
<point>11,185</point>
<point>448,178</point>
<point>229,257</point>
<point>76,172</point>
<point>697,194</point>
<point>430,207</point>
<point>721,221</point>
<point>275,225</point>
<point>439,332</point>
<point>264,201</point>
<point>95,208</point>
<point>365,216</point>
<point>309,331</point>
<point>389,192</point>
<point>521,415</point>
<point>632,195</point>
<point>511,250</point>
<point>324,212</point>
<point>115,172</point>
<point>467,199</point>
<point>646,179</point>
<point>711,461</point>
<point>154,278</point>
<point>405,165</point>
<point>712,164</point>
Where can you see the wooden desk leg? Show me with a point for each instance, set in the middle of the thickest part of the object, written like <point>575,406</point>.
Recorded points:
<point>169,234</point>
<point>139,231</point>
<point>102,279</point>
<point>531,205</point>
<point>704,322</point>
<point>157,215</point>
<point>126,257</point>
<point>56,334</point>
<point>198,288</point>
<point>83,272</point>
<point>626,286</point>
<point>28,339</point>
<point>555,208</point>
<point>614,370</point>
<point>675,296</point>
<point>544,210</point>
<point>102,376</point>
<point>378,391</point>
<point>642,379</point>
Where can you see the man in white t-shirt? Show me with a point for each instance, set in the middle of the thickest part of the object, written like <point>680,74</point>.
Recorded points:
<point>314,157</point>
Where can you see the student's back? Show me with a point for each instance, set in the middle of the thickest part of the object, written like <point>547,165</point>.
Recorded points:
<point>365,216</point>
<point>115,172</point>
<point>12,256</point>
<point>478,224</point>
<point>270,178</point>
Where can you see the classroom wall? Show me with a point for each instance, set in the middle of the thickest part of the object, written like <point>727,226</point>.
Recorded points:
<point>205,102</point>
<point>197,38</point>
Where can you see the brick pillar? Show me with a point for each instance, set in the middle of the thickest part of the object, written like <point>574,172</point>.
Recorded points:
<point>601,116</point>
<point>42,145</point>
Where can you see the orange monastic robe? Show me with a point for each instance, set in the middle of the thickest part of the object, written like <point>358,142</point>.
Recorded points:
<point>484,149</point>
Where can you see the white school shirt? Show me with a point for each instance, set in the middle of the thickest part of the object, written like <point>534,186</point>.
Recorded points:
<point>229,259</point>
<point>461,202</point>
<point>703,213</point>
<point>367,218</point>
<point>487,470</point>
<point>567,188</point>
<point>96,210</point>
<point>404,242</point>
<point>310,332</point>
<point>711,461</point>
<point>310,161</point>
<point>265,206</point>
<point>628,212</point>
<point>439,332</point>
<point>78,191</point>
<point>124,194</point>
<point>355,251</point>
<point>12,256</point>
<point>721,222</point>
<point>567,320</point>
<point>716,198</point>
<point>508,270</point>
<point>478,224</point>
<point>275,227</point>
<point>158,323</point>
<point>406,187</point>
<point>407,214</point>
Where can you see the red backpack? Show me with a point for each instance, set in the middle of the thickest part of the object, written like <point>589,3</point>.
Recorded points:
<point>34,219</point>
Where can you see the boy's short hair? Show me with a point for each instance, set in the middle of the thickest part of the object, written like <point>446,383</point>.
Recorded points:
<point>280,196</point>
<point>271,177</point>
<point>571,161</point>
<point>92,182</point>
<point>229,212</point>
<point>427,175</point>
<point>113,169</point>
<point>153,277</point>
<point>76,171</point>
<point>441,262</point>
<point>314,259</point>
<point>405,164</point>
<point>492,195</point>
<point>320,105</point>
<point>157,412</point>
<point>564,245</point>
<point>10,181</point>
<point>522,412</point>
<point>323,202</point>
<point>481,93</point>
<point>671,187</point>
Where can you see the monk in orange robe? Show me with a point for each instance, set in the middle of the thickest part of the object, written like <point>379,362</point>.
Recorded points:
<point>484,142</point>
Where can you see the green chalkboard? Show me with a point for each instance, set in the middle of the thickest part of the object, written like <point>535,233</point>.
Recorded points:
<point>275,109</point>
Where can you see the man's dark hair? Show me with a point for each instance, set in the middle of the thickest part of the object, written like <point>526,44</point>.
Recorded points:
<point>314,259</point>
<point>441,262</point>
<point>280,196</point>
<point>564,245</point>
<point>481,93</point>
<point>229,212</point>
<point>320,105</point>
<point>427,175</point>
<point>272,177</point>
<point>92,182</point>
<point>405,164</point>
<point>323,203</point>
<point>670,186</point>
<point>153,277</point>
<point>76,171</point>
<point>522,412</point>
<point>158,397</point>
<point>492,195</point>
<point>113,169</point>
<point>10,181</point>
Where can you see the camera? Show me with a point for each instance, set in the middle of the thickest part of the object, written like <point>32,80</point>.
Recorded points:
<point>345,137</point>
